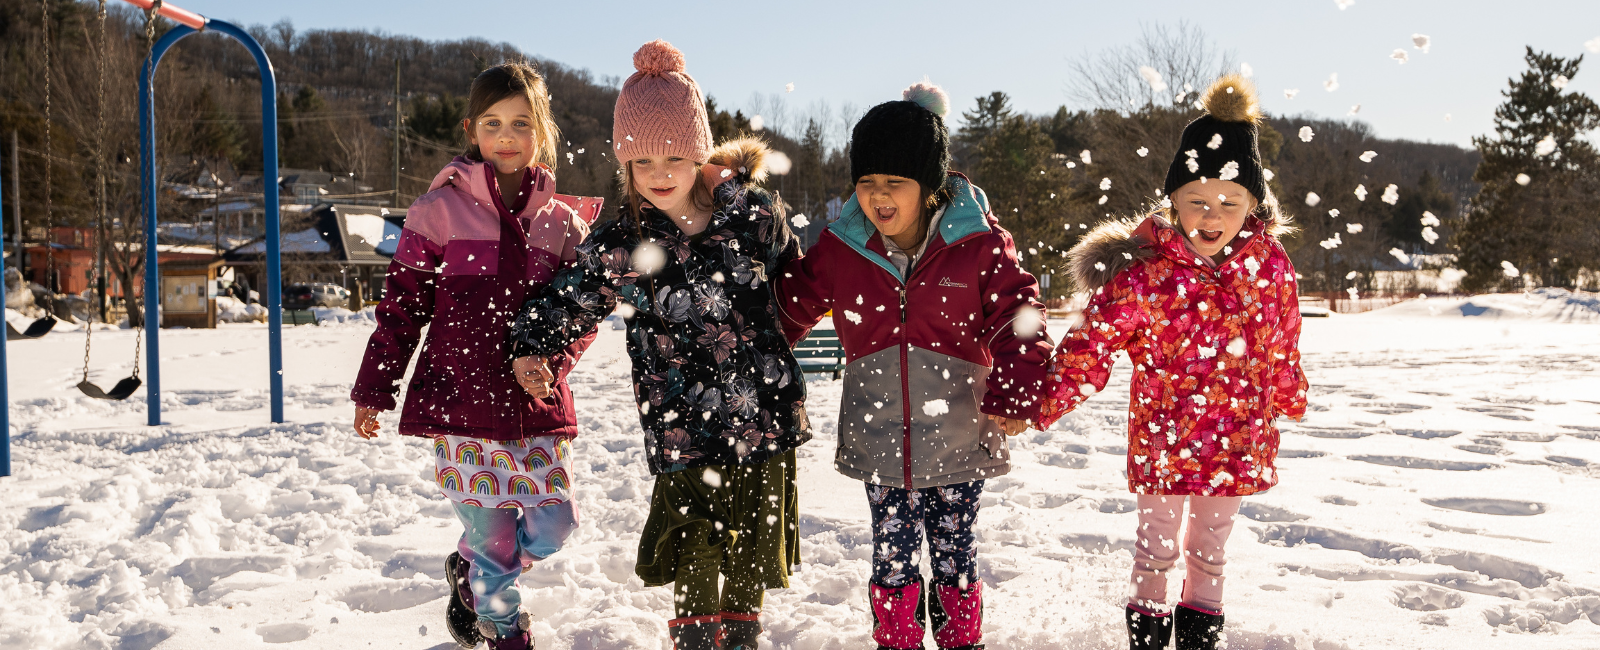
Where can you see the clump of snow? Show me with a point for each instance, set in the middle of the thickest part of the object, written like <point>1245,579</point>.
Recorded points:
<point>1367,156</point>
<point>1524,179</point>
<point>1510,270</point>
<point>1545,146</point>
<point>800,221</point>
<point>1312,199</point>
<point>1560,82</point>
<point>1400,56</point>
<point>1332,83</point>
<point>1361,192</point>
<point>1421,42</point>
<point>1306,134</point>
<point>935,407</point>
<point>1391,194</point>
<point>1157,84</point>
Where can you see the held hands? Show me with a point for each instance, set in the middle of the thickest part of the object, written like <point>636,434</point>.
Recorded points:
<point>366,422</point>
<point>534,375</point>
<point>1010,426</point>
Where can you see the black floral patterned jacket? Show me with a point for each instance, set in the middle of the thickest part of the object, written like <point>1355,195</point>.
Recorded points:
<point>714,378</point>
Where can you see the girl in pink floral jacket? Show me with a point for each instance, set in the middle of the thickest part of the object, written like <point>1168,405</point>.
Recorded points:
<point>1202,297</point>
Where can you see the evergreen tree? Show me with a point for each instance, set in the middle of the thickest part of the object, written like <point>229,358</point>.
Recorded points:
<point>1535,208</point>
<point>438,119</point>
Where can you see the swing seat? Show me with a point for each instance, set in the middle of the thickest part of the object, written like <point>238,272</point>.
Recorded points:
<point>37,329</point>
<point>120,392</point>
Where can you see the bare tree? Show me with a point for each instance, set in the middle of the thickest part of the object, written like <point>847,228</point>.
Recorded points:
<point>1183,57</point>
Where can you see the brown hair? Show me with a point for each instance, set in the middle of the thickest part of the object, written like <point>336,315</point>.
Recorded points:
<point>633,202</point>
<point>515,79</point>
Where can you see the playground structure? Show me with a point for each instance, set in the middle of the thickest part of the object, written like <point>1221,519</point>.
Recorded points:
<point>149,180</point>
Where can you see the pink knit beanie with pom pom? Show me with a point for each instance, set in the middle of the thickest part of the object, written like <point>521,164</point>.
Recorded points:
<point>660,111</point>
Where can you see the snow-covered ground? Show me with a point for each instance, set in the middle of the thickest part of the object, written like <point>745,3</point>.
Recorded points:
<point>1441,494</point>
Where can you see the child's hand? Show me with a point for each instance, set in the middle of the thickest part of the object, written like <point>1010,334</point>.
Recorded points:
<point>1010,426</point>
<point>366,422</point>
<point>534,375</point>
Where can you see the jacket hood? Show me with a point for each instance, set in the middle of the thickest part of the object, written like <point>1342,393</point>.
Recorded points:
<point>966,214</point>
<point>1114,246</point>
<point>741,159</point>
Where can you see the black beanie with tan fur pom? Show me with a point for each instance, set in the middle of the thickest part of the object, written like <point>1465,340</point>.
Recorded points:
<point>1222,144</point>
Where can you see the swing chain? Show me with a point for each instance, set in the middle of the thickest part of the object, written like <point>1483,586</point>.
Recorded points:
<point>49,151</point>
<point>149,61</point>
<point>100,174</point>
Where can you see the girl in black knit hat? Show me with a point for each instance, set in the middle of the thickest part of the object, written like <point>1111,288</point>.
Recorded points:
<point>1202,297</point>
<point>946,349</point>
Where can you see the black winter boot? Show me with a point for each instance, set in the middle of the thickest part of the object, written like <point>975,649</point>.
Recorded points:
<point>459,615</point>
<point>741,631</point>
<point>1197,629</point>
<point>1148,630</point>
<point>696,632</point>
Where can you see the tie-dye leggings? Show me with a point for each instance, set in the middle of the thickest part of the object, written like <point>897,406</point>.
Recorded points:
<point>499,542</point>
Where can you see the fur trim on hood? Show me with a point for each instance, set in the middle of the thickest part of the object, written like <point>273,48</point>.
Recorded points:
<point>1114,246</point>
<point>746,157</point>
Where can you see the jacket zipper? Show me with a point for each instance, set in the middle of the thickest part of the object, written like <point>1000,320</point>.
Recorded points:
<point>905,392</point>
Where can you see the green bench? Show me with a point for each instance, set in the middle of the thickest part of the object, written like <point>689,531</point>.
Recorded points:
<point>821,352</point>
<point>300,317</point>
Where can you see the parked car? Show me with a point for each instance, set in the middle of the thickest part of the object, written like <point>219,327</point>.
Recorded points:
<point>319,294</point>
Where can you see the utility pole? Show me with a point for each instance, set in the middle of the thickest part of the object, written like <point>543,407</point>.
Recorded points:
<point>397,132</point>
<point>16,200</point>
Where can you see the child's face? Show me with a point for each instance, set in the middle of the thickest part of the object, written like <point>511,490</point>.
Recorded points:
<point>1211,213</point>
<point>665,181</point>
<point>893,204</point>
<point>504,135</point>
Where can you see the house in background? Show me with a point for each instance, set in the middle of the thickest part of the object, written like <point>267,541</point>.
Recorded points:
<point>342,244</point>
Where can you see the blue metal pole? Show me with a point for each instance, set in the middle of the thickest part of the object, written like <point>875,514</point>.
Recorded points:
<point>269,185</point>
<point>5,380</point>
<point>148,177</point>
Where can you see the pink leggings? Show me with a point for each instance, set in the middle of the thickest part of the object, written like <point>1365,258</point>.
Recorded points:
<point>1211,520</point>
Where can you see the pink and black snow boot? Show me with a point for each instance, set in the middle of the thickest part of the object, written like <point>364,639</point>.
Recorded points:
<point>696,632</point>
<point>518,639</point>
<point>957,617</point>
<point>740,631</point>
<point>1197,629</point>
<point>459,615</point>
<point>897,617</point>
<point>1148,630</point>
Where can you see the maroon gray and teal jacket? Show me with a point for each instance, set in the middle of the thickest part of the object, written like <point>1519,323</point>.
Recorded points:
<point>930,355</point>
<point>713,377</point>
<point>464,264</point>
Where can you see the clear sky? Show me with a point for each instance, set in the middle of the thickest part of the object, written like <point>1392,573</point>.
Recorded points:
<point>865,52</point>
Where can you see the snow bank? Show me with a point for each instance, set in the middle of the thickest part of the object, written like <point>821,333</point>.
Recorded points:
<point>1541,305</point>
<point>1433,498</point>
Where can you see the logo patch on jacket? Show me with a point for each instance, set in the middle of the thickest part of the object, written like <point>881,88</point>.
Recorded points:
<point>945,282</point>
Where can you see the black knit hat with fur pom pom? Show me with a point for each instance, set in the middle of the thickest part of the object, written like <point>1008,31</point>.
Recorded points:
<point>1222,144</point>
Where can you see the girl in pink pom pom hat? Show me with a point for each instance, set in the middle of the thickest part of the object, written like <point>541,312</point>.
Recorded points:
<point>721,400</point>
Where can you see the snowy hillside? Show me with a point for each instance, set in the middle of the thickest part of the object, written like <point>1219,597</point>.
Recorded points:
<point>1440,494</point>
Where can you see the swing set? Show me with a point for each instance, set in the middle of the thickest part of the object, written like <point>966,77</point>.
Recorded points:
<point>149,180</point>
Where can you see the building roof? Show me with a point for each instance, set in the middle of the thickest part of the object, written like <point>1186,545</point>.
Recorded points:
<point>335,233</point>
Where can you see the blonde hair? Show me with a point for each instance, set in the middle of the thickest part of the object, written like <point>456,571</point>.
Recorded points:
<point>1268,210</point>
<point>515,79</point>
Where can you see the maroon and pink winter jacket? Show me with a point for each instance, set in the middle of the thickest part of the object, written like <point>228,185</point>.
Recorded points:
<point>930,355</point>
<point>464,264</point>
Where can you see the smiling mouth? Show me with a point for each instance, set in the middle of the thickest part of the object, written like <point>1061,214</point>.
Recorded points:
<point>662,191</point>
<point>1210,236</point>
<point>885,215</point>
<point>507,154</point>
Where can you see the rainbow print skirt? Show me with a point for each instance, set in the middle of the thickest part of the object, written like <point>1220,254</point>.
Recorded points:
<point>503,474</point>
